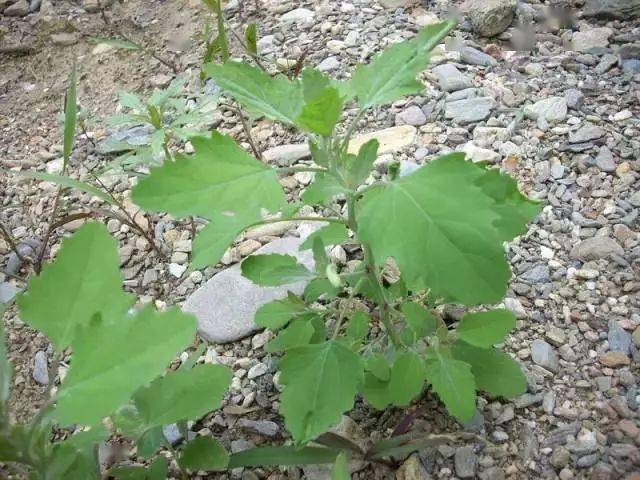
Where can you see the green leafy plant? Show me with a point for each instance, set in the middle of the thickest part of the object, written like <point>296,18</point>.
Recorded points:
<point>443,227</point>
<point>169,115</point>
<point>117,367</point>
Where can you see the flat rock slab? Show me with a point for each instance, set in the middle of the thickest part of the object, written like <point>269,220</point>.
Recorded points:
<point>226,304</point>
<point>390,139</point>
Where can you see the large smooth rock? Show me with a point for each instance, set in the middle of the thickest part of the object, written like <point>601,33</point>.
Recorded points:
<point>544,355</point>
<point>286,155</point>
<point>595,248</point>
<point>490,17</point>
<point>18,9</point>
<point>450,78</point>
<point>226,304</point>
<point>592,39</point>
<point>390,139</point>
<point>7,292</point>
<point>552,109</point>
<point>612,8</point>
<point>299,15</point>
<point>397,3</point>
<point>469,110</point>
<point>586,133</point>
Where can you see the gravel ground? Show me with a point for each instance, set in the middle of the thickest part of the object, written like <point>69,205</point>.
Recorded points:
<point>553,99</point>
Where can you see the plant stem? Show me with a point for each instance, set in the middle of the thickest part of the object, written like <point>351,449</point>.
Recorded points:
<point>247,131</point>
<point>298,219</point>
<point>350,130</point>
<point>222,32</point>
<point>12,244</point>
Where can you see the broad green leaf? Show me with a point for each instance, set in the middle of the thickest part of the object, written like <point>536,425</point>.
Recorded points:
<point>277,313</point>
<point>320,256</point>
<point>156,471</point>
<point>392,73</point>
<point>340,469</point>
<point>272,270</point>
<point>318,287</point>
<point>251,38</point>
<point>274,456</point>
<point>484,329</point>
<point>314,83</point>
<point>83,281</point>
<point>116,42</point>
<point>358,327</point>
<point>358,167</point>
<point>332,234</point>
<point>321,114</point>
<point>65,181</point>
<point>70,462</point>
<point>495,372</point>
<point>453,381</point>
<point>183,395</point>
<point>277,98</point>
<point>220,177</point>
<point>213,240</point>
<point>70,117</point>
<point>378,365</point>
<point>297,334</point>
<point>323,189</point>
<point>141,345</point>
<point>406,381</point>
<point>204,453</point>
<point>320,382</point>
<point>443,230</point>
<point>421,322</point>
<point>318,154</point>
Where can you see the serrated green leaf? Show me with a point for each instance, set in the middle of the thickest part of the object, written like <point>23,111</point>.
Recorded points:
<point>70,117</point>
<point>220,177</point>
<point>443,230</point>
<point>83,281</point>
<point>421,322</point>
<point>332,234</point>
<point>323,189</point>
<point>213,240</point>
<point>321,114</point>
<point>297,334</point>
<point>182,395</point>
<point>358,167</point>
<point>132,101</point>
<point>392,73</point>
<point>484,329</point>
<point>406,381</point>
<point>454,383</point>
<point>277,98</point>
<point>495,372</point>
<point>64,181</point>
<point>251,38</point>
<point>273,456</point>
<point>340,469</point>
<point>204,453</point>
<point>159,97</point>
<point>320,385</point>
<point>116,42</point>
<point>272,270</point>
<point>277,313</point>
<point>140,345</point>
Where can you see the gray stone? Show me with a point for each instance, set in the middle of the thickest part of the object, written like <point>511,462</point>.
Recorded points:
<point>473,56</point>
<point>574,98</point>
<point>450,78</point>
<point>527,399</point>
<point>595,248</point>
<point>537,274</point>
<point>544,355</point>
<point>588,461</point>
<point>492,473</point>
<point>605,161</point>
<point>65,39</point>
<point>257,370</point>
<point>7,291</point>
<point>560,457</point>
<point>628,51</point>
<point>226,304</point>
<point>586,133</point>
<point>397,3</point>
<point>329,64</point>
<point>631,66</point>
<point>466,462</point>
<point>619,339</point>
<point>412,115</point>
<point>592,39</point>
<point>407,168</point>
<point>612,8</point>
<point>607,62</point>
<point>478,154</point>
<point>469,110</point>
<point>263,427</point>
<point>299,15</point>
<point>412,469</point>
<point>552,109</point>
<point>476,424</point>
<point>172,433</point>
<point>18,9</point>
<point>40,368</point>
<point>286,155</point>
<point>490,17</point>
